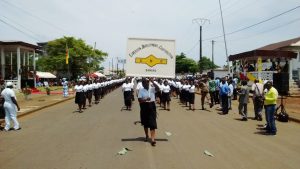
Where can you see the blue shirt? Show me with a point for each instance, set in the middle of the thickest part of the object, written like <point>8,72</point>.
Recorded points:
<point>144,94</point>
<point>224,89</point>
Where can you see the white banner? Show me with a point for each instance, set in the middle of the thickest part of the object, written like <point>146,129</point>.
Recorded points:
<point>150,58</point>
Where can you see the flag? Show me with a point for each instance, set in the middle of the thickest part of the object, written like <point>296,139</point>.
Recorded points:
<point>67,54</point>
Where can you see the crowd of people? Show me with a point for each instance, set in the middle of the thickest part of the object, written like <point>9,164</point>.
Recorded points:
<point>154,91</point>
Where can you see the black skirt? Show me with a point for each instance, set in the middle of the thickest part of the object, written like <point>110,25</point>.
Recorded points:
<point>80,98</point>
<point>165,97</point>
<point>191,98</point>
<point>127,98</point>
<point>148,115</point>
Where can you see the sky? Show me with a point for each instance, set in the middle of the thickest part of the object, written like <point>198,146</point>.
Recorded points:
<point>111,23</point>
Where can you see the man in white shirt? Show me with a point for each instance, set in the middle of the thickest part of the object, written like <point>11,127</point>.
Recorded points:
<point>257,89</point>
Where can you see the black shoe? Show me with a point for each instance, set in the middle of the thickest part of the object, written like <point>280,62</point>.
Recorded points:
<point>18,129</point>
<point>153,143</point>
<point>244,119</point>
<point>146,139</point>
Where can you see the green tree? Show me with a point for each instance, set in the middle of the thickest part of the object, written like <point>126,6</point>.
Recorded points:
<point>207,64</point>
<point>185,65</point>
<point>82,57</point>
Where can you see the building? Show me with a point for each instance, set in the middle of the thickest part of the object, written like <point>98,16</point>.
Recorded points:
<point>288,45</point>
<point>18,63</point>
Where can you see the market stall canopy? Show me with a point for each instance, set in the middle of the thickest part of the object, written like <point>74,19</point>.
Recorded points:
<point>46,75</point>
<point>98,74</point>
<point>264,54</point>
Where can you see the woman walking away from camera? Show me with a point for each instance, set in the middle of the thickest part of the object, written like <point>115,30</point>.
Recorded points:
<point>192,96</point>
<point>127,93</point>
<point>10,107</point>
<point>146,99</point>
<point>166,92</point>
<point>243,100</point>
<point>80,96</point>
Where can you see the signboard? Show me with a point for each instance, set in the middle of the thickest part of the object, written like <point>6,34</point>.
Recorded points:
<point>150,58</point>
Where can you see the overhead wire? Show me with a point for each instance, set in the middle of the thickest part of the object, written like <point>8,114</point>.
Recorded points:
<point>253,25</point>
<point>34,16</point>
<point>14,27</point>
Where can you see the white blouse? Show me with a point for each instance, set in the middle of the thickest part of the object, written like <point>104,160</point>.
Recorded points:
<point>78,88</point>
<point>192,89</point>
<point>166,89</point>
<point>127,87</point>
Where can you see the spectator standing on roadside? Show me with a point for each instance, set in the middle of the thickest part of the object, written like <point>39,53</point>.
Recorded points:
<point>224,90</point>
<point>65,87</point>
<point>270,107</point>
<point>212,91</point>
<point>257,89</point>
<point>243,100</point>
<point>11,107</point>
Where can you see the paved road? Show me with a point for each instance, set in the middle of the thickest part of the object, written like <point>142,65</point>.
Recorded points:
<point>60,138</point>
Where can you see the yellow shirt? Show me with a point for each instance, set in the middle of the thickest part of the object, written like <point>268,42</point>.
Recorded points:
<point>271,97</point>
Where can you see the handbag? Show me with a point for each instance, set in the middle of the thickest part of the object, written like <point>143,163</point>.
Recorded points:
<point>283,117</point>
<point>259,99</point>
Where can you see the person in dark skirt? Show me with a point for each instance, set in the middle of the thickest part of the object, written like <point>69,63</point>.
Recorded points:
<point>146,97</point>
<point>89,94</point>
<point>80,96</point>
<point>192,96</point>
<point>127,92</point>
<point>165,95</point>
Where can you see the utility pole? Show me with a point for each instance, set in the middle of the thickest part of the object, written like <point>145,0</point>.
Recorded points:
<point>200,22</point>
<point>224,35</point>
<point>117,65</point>
<point>112,66</point>
<point>212,54</point>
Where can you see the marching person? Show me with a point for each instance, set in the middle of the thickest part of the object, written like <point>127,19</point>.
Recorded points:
<point>204,92</point>
<point>127,93</point>
<point>90,92</point>
<point>79,97</point>
<point>10,107</point>
<point>165,95</point>
<point>192,96</point>
<point>270,107</point>
<point>146,97</point>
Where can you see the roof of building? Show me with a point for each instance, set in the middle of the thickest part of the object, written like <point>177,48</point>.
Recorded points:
<point>278,45</point>
<point>21,43</point>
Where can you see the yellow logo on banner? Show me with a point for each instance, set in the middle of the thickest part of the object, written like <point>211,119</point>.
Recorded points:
<point>151,60</point>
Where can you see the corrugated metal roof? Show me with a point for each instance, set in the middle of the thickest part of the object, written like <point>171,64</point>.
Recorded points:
<point>278,45</point>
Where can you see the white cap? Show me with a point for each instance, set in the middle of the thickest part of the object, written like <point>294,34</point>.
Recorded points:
<point>9,84</point>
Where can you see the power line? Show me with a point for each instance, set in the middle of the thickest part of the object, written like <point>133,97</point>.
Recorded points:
<point>258,23</point>
<point>34,16</point>
<point>21,26</point>
<point>19,30</point>
<point>268,30</point>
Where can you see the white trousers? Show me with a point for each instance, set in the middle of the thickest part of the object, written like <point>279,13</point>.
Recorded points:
<point>10,115</point>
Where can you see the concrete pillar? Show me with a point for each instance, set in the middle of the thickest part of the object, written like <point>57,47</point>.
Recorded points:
<point>2,63</point>
<point>290,70</point>
<point>34,71</point>
<point>19,67</point>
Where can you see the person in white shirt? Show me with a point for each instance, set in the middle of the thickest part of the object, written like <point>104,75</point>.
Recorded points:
<point>230,94</point>
<point>89,92</point>
<point>79,97</point>
<point>165,95</point>
<point>146,97</point>
<point>10,107</point>
<point>192,96</point>
<point>257,89</point>
<point>127,93</point>
<point>85,90</point>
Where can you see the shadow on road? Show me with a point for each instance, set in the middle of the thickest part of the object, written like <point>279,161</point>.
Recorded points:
<point>142,139</point>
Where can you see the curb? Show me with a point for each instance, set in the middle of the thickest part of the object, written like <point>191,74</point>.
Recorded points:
<point>40,108</point>
<point>294,119</point>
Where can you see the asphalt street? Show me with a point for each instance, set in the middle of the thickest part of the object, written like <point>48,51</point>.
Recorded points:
<point>61,138</point>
